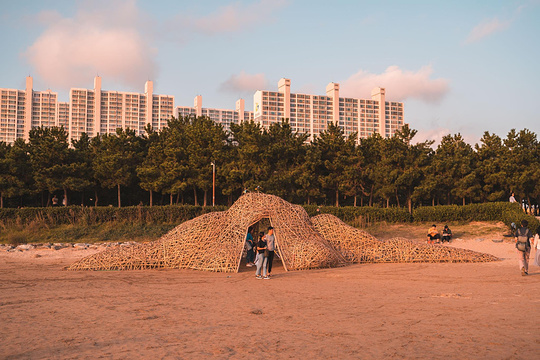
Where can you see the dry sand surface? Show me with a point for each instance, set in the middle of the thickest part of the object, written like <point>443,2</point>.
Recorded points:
<point>374,311</point>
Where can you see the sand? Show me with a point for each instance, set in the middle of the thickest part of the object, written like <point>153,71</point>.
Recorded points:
<point>374,311</point>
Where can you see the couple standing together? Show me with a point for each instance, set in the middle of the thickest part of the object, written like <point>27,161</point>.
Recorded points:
<point>263,249</point>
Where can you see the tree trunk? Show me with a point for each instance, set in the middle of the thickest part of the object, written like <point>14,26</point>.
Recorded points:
<point>354,200</point>
<point>151,198</point>
<point>362,200</point>
<point>171,197</point>
<point>195,196</point>
<point>432,201</point>
<point>66,203</point>
<point>308,200</point>
<point>397,199</point>
<point>409,204</point>
<point>371,196</point>
<point>205,197</point>
<point>387,202</point>
<point>119,199</point>
<point>1,202</point>
<point>96,202</point>
<point>463,201</point>
<point>337,198</point>
<point>182,198</point>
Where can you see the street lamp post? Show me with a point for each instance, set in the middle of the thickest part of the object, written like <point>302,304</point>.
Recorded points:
<point>213,183</point>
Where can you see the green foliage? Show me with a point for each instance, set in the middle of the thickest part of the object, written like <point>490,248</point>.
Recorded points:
<point>329,169</point>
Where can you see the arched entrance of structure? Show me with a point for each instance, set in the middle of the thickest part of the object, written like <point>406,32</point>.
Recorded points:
<point>261,225</point>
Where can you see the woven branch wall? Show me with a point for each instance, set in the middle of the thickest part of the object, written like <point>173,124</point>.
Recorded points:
<point>215,242</point>
<point>360,247</point>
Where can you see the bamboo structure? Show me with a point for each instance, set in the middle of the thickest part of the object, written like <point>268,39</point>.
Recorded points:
<point>359,246</point>
<point>215,242</point>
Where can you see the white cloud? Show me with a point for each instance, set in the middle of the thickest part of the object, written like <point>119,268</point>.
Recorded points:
<point>400,84</point>
<point>487,28</point>
<point>107,42</point>
<point>233,17</point>
<point>244,82</point>
<point>437,134</point>
<point>492,26</point>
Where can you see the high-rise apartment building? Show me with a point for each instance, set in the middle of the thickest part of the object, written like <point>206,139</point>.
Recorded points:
<point>21,110</point>
<point>311,113</point>
<point>96,111</point>
<point>92,111</point>
<point>220,116</point>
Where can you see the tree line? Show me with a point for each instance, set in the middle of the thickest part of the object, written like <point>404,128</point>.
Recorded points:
<point>173,165</point>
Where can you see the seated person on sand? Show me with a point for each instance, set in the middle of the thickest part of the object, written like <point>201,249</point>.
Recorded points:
<point>433,235</point>
<point>446,234</point>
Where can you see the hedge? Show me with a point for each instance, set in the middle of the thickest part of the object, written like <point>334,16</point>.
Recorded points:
<point>94,215</point>
<point>356,216</point>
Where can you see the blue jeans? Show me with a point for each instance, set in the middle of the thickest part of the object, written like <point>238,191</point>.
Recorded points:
<point>261,263</point>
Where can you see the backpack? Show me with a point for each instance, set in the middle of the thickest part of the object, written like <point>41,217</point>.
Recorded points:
<point>522,239</point>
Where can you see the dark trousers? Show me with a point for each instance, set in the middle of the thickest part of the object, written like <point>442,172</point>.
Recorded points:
<point>270,260</point>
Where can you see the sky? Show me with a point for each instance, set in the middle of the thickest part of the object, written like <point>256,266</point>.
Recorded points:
<point>458,66</point>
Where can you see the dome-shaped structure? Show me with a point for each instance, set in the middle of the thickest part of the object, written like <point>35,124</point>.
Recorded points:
<point>215,242</point>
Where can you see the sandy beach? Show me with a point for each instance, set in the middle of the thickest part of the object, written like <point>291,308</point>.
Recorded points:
<point>373,311</point>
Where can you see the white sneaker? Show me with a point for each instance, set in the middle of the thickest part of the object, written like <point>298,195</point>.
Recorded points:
<point>266,278</point>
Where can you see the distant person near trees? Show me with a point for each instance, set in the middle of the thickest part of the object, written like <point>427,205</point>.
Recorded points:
<point>512,199</point>
<point>523,246</point>
<point>54,201</point>
<point>433,235</point>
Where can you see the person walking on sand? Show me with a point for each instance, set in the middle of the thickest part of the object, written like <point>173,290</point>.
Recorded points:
<point>261,259</point>
<point>271,243</point>
<point>250,246</point>
<point>523,246</point>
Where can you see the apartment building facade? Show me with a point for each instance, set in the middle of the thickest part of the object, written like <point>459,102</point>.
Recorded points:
<point>311,113</point>
<point>96,111</point>
<point>220,116</point>
<point>92,111</point>
<point>21,110</point>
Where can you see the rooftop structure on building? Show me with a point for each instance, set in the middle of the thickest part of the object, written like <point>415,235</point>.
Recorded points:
<point>311,113</point>
<point>220,116</point>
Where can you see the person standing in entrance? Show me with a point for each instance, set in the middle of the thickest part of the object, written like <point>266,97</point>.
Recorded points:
<point>250,246</point>
<point>261,259</point>
<point>271,245</point>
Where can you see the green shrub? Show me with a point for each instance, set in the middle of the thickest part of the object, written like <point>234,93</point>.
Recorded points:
<point>54,216</point>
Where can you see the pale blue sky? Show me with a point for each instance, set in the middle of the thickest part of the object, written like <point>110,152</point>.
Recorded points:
<point>459,66</point>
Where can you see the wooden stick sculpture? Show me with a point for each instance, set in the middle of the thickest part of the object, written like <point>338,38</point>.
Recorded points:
<point>215,242</point>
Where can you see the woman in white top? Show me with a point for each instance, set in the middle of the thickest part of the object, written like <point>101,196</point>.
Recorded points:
<point>536,245</point>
